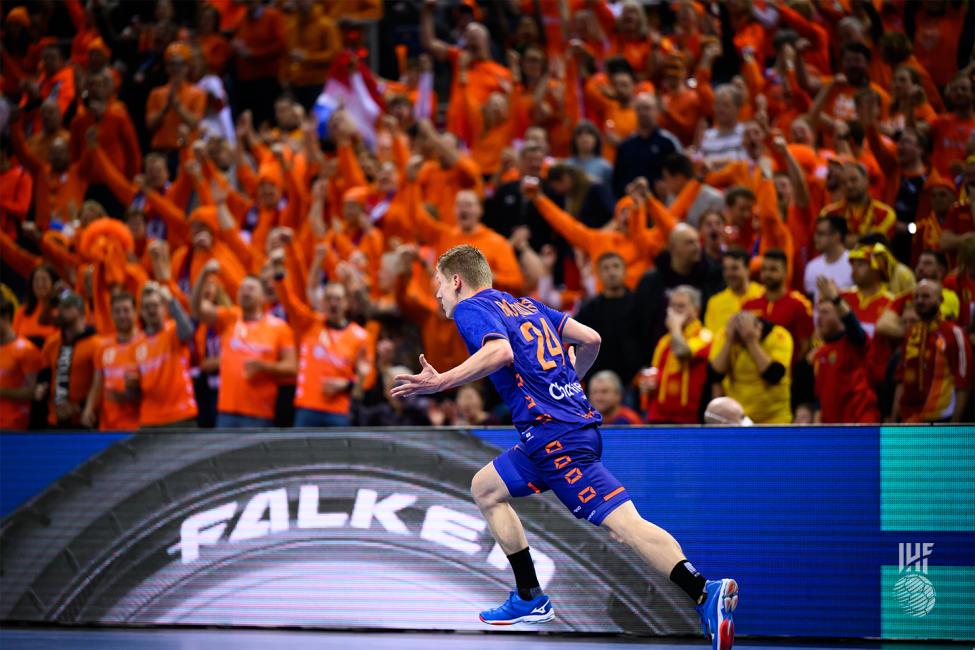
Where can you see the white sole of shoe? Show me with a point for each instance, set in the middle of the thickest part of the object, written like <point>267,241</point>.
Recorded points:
<point>529,620</point>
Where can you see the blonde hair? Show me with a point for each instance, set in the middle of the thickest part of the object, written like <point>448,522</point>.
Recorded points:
<point>643,27</point>
<point>467,262</point>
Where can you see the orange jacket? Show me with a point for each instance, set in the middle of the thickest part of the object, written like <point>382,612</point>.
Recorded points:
<point>116,136</point>
<point>15,199</point>
<point>318,37</point>
<point>264,36</point>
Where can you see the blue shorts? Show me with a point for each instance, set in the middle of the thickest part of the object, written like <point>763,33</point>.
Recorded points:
<point>570,467</point>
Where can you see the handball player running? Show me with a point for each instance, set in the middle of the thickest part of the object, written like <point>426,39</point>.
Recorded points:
<point>518,343</point>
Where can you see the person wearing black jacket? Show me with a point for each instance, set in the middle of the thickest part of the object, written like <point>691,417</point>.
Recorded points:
<point>682,263</point>
<point>611,313</point>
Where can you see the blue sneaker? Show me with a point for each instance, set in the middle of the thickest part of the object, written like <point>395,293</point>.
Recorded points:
<point>516,610</point>
<point>715,611</point>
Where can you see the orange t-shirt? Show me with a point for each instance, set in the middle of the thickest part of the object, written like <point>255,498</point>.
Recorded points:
<point>81,371</point>
<point>264,339</point>
<point>114,360</point>
<point>19,360</point>
<point>192,98</point>
<point>28,325</point>
<point>116,135</point>
<point>164,370</point>
<point>326,352</point>
<point>216,51</point>
<point>936,42</point>
<point>949,136</point>
<point>231,13</point>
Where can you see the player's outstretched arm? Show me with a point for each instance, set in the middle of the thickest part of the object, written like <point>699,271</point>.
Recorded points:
<point>493,356</point>
<point>586,340</point>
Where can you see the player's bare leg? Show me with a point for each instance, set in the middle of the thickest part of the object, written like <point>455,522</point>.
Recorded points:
<point>653,544</point>
<point>528,603</point>
<point>491,496</point>
<point>715,600</point>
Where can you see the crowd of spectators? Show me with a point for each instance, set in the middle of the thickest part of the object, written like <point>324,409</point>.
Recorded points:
<point>228,212</point>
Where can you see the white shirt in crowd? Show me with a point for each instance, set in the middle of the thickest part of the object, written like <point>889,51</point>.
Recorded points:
<point>839,271</point>
<point>724,147</point>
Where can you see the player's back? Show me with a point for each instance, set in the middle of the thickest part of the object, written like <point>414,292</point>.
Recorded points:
<point>540,386</point>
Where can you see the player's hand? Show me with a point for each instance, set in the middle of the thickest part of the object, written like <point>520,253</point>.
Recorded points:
<point>572,356</point>
<point>425,383</point>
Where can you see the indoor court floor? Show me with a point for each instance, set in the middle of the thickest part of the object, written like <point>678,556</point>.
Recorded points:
<point>183,639</point>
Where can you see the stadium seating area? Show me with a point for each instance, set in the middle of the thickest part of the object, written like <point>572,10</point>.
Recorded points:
<point>229,213</point>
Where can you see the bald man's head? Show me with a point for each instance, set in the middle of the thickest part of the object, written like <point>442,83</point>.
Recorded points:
<point>647,110</point>
<point>927,299</point>
<point>685,246</point>
<point>476,40</point>
<point>725,410</point>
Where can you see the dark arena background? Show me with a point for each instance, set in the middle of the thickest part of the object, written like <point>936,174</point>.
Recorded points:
<point>833,534</point>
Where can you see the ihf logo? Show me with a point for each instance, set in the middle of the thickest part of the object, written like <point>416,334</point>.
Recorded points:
<point>914,591</point>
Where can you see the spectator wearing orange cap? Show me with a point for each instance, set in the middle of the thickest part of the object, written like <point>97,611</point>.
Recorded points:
<point>20,53</point>
<point>56,81</point>
<point>260,47</point>
<point>178,102</point>
<point>313,41</point>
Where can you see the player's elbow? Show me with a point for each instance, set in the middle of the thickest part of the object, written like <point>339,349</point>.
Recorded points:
<point>504,354</point>
<point>591,337</point>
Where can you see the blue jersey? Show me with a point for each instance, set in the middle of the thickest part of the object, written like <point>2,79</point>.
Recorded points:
<point>540,386</point>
